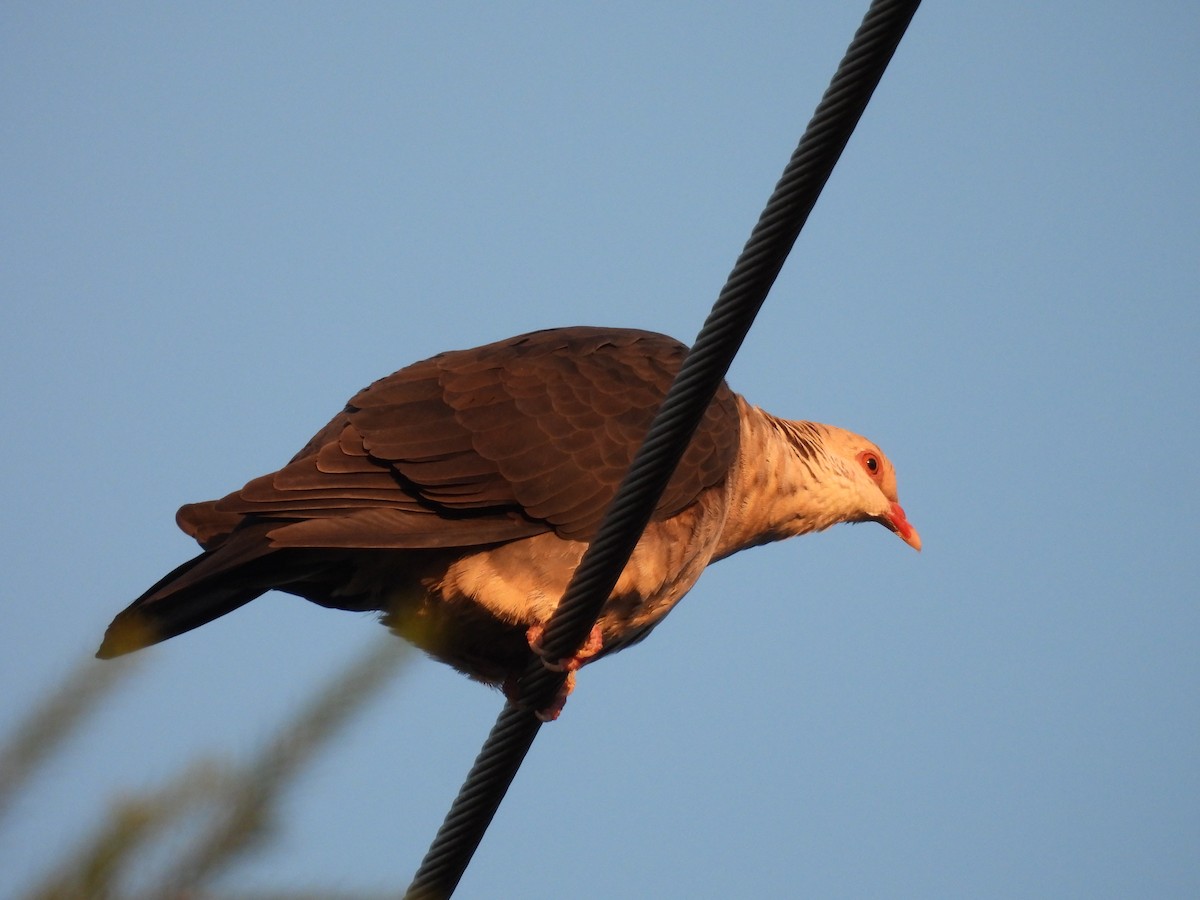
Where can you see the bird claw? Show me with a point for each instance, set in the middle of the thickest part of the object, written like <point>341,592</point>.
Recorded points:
<point>550,712</point>
<point>593,645</point>
<point>554,710</point>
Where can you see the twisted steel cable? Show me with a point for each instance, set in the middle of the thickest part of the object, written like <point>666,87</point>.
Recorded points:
<point>699,377</point>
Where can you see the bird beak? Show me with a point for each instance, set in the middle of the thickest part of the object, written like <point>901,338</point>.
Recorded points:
<point>898,522</point>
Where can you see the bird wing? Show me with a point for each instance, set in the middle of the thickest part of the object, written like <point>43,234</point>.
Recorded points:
<point>523,436</point>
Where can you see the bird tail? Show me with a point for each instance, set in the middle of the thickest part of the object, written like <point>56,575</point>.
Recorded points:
<point>207,587</point>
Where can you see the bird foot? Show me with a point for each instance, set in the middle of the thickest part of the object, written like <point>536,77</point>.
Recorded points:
<point>550,712</point>
<point>593,645</point>
<point>569,665</point>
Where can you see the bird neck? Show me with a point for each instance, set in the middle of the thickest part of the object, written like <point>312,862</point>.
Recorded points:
<point>785,482</point>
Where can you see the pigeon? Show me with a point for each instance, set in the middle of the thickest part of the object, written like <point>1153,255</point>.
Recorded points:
<point>456,497</point>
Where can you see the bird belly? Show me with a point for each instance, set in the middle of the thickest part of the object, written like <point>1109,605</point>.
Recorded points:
<point>474,615</point>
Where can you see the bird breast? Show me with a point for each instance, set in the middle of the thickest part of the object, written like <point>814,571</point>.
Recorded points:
<point>520,583</point>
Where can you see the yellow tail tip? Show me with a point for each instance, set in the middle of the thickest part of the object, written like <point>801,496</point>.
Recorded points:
<point>127,633</point>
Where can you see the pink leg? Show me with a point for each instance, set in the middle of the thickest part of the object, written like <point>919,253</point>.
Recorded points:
<point>590,648</point>
<point>593,645</point>
<point>554,710</point>
<point>512,692</point>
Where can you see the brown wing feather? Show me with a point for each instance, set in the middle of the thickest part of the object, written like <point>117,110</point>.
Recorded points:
<point>515,438</point>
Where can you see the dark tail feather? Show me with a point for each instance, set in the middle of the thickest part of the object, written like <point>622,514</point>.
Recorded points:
<point>216,582</point>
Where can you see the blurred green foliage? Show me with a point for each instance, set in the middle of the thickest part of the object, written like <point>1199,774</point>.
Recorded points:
<point>175,840</point>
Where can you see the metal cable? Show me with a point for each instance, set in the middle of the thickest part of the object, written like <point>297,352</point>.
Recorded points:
<point>705,366</point>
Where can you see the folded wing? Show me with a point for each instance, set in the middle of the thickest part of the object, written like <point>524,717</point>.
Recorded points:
<point>520,437</point>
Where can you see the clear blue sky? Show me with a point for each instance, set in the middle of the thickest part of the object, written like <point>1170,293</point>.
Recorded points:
<point>218,223</point>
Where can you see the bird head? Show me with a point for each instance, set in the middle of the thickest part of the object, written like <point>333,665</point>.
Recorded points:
<point>867,483</point>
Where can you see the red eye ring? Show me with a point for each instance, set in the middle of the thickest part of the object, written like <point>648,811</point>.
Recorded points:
<point>870,461</point>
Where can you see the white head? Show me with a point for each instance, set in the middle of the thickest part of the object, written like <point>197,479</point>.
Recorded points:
<point>857,481</point>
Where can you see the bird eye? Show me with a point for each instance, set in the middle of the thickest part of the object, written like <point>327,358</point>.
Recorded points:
<point>870,462</point>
